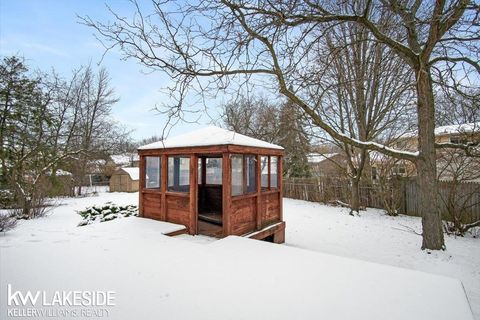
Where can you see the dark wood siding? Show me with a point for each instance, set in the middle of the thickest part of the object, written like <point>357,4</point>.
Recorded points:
<point>243,215</point>
<point>270,205</point>
<point>178,209</point>
<point>151,205</point>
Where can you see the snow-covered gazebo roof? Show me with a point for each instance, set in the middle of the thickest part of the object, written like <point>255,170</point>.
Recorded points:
<point>210,136</point>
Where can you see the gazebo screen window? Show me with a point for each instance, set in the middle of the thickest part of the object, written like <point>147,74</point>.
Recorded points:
<point>251,166</point>
<point>152,172</point>
<point>179,174</point>
<point>237,175</point>
<point>273,172</point>
<point>269,172</point>
<point>244,172</point>
<point>264,171</point>
<point>213,174</point>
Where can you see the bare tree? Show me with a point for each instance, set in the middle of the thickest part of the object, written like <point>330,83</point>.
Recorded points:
<point>365,92</point>
<point>295,138</point>
<point>457,192</point>
<point>274,121</point>
<point>255,116</point>
<point>27,135</point>
<point>389,175</point>
<point>212,45</point>
<point>456,108</point>
<point>86,104</point>
<point>48,123</point>
<point>456,169</point>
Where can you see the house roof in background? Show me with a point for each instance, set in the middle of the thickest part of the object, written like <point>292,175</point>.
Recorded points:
<point>124,159</point>
<point>60,172</point>
<point>451,129</point>
<point>319,157</point>
<point>210,136</point>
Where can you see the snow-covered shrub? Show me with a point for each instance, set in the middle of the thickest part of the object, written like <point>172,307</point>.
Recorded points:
<point>106,212</point>
<point>7,222</point>
<point>32,206</point>
<point>6,198</point>
<point>31,200</point>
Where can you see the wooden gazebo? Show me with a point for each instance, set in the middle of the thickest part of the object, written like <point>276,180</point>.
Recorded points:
<point>215,182</point>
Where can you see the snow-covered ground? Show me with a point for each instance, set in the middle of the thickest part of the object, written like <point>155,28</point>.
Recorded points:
<point>155,276</point>
<point>379,238</point>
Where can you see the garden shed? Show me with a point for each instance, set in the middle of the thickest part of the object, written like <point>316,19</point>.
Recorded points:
<point>125,180</point>
<point>215,182</point>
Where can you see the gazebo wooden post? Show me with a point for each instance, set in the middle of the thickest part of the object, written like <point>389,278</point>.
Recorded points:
<point>204,170</point>
<point>193,193</point>
<point>203,179</point>
<point>226,193</point>
<point>269,165</point>
<point>280,186</point>
<point>258,181</point>
<point>163,187</point>
<point>141,184</point>
<point>244,178</point>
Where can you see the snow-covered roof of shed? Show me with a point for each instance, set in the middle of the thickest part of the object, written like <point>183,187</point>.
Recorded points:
<point>209,136</point>
<point>133,172</point>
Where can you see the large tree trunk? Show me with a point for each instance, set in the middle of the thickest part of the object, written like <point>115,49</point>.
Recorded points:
<point>355,194</point>
<point>426,164</point>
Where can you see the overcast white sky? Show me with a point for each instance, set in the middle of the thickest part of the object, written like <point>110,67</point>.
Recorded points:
<point>47,34</point>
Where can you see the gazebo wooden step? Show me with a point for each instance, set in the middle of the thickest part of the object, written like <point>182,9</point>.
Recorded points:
<point>276,231</point>
<point>177,233</point>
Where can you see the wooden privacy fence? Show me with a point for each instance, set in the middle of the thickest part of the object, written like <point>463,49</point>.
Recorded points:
<point>329,189</point>
<point>462,198</point>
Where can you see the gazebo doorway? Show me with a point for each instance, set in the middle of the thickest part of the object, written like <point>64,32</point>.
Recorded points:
<point>210,193</point>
